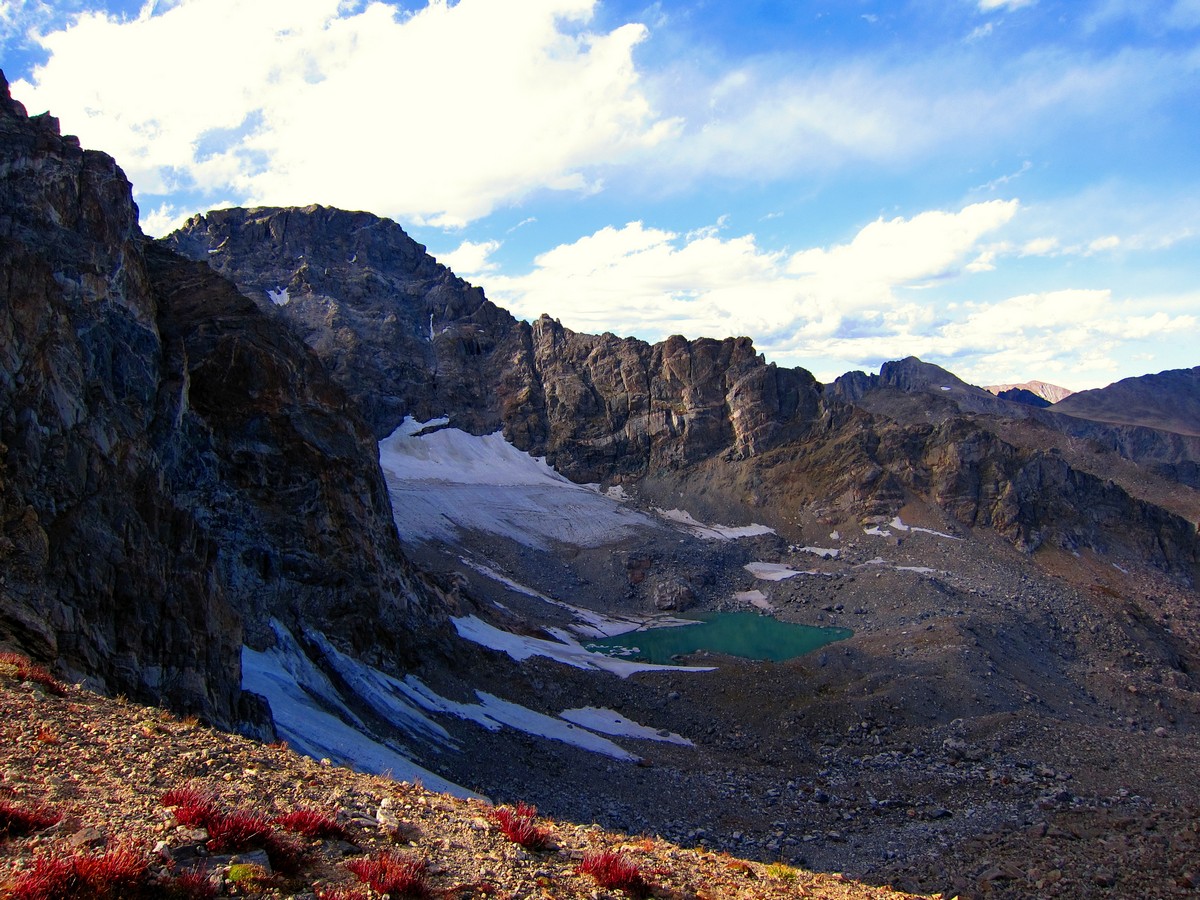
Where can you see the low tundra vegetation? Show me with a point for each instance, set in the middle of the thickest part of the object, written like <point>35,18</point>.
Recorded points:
<point>236,831</point>
<point>615,871</point>
<point>20,667</point>
<point>518,824</point>
<point>120,874</point>
<point>18,821</point>
<point>394,874</point>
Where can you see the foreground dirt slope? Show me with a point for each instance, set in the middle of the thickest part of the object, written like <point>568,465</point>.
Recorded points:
<point>104,765</point>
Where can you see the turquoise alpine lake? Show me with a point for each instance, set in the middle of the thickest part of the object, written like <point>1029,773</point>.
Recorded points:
<point>742,634</point>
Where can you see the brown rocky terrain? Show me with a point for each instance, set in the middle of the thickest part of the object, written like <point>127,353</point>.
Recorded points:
<point>103,766</point>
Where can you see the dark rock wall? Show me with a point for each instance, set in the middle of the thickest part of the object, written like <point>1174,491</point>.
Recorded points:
<point>103,570</point>
<point>175,468</point>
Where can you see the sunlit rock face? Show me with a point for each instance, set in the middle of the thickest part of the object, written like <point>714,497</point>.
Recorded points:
<point>405,336</point>
<point>175,468</point>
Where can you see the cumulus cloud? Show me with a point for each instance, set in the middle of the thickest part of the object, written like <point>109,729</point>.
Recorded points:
<point>1077,338</point>
<point>651,282</point>
<point>440,115</point>
<point>471,259</point>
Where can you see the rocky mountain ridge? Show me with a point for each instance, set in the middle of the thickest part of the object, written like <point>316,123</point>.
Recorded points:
<point>407,337</point>
<point>397,329</point>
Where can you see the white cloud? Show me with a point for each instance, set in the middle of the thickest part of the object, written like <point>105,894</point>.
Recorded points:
<point>980,32</point>
<point>1099,245</point>
<point>651,282</point>
<point>471,259</point>
<point>441,115</point>
<point>780,117</point>
<point>1008,5</point>
<point>1077,338</point>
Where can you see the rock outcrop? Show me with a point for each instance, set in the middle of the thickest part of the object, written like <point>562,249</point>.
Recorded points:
<point>175,469</point>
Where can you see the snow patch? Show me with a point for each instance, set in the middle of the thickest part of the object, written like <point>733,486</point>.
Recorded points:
<point>383,693</point>
<point>564,650</point>
<point>279,296</point>
<point>823,552</point>
<point>493,714</point>
<point>880,561</point>
<point>755,598</point>
<point>712,532</point>
<point>900,526</point>
<point>590,623</point>
<point>312,717</point>
<point>447,481</point>
<point>765,571</point>
<point>607,721</point>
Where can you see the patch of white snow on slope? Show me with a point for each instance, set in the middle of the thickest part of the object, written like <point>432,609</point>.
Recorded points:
<point>294,690</point>
<point>448,481</point>
<point>880,561</point>
<point>755,598</point>
<point>565,650</point>
<point>765,571</point>
<point>591,623</point>
<point>493,713</point>
<point>383,693</point>
<point>823,552</point>
<point>900,526</point>
<point>279,297</point>
<point>712,532</point>
<point>608,721</point>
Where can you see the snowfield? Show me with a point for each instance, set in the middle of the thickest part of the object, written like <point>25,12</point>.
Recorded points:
<point>444,481</point>
<point>564,650</point>
<point>765,571</point>
<point>315,717</point>
<point>447,481</point>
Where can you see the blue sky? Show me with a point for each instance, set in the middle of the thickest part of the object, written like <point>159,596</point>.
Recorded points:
<point>1008,188</point>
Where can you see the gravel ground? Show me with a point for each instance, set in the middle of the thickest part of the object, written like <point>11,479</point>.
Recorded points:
<point>104,765</point>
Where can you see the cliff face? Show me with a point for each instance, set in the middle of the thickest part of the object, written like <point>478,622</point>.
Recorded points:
<point>174,469</point>
<point>404,336</point>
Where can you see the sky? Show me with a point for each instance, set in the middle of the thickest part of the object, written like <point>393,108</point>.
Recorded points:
<point>1007,188</point>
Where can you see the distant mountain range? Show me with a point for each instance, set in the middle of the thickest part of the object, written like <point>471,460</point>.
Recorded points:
<point>1030,390</point>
